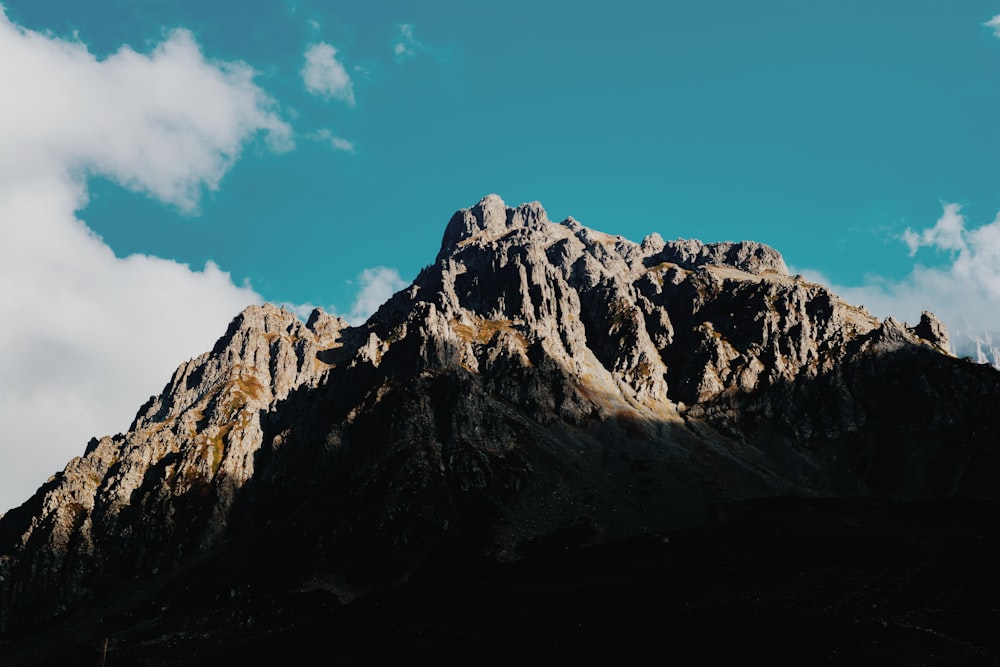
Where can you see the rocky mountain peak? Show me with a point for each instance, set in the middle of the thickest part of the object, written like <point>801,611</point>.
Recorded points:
<point>659,321</point>
<point>265,353</point>
<point>490,219</point>
<point>537,376</point>
<point>933,330</point>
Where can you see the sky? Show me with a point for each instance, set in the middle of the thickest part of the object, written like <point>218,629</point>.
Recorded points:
<point>165,163</point>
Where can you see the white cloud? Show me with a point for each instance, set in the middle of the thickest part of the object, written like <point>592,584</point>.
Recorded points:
<point>975,253</point>
<point>995,24</point>
<point>325,76</point>
<point>406,46</point>
<point>377,285</point>
<point>342,144</point>
<point>65,111</point>
<point>327,137</point>
<point>964,292</point>
<point>946,234</point>
<point>87,336</point>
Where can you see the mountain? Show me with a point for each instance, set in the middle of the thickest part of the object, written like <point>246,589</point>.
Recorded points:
<point>539,387</point>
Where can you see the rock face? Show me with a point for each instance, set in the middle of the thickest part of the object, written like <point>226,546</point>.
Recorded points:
<point>166,487</point>
<point>539,381</point>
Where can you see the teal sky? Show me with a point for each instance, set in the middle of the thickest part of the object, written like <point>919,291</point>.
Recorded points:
<point>824,129</point>
<point>164,163</point>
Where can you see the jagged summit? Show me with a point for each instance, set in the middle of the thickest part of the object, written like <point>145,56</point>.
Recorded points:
<point>491,218</point>
<point>634,314</point>
<point>537,378</point>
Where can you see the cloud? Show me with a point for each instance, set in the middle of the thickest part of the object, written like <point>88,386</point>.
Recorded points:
<point>87,336</point>
<point>407,46</point>
<point>65,111</point>
<point>964,292</point>
<point>995,24</point>
<point>327,137</point>
<point>325,76</point>
<point>947,234</point>
<point>974,253</point>
<point>377,285</point>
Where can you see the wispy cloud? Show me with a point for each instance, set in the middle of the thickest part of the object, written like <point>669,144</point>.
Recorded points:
<point>406,45</point>
<point>377,284</point>
<point>995,24</point>
<point>325,136</point>
<point>325,76</point>
<point>89,334</point>
<point>293,6</point>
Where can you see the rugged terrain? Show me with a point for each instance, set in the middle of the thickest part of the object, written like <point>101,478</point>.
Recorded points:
<point>541,385</point>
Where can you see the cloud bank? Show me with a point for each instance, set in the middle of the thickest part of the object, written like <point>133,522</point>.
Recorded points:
<point>964,291</point>
<point>88,335</point>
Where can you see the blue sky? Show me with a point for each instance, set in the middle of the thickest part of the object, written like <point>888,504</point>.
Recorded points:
<point>824,129</point>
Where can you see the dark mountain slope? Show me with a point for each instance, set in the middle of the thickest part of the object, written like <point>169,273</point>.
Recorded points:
<point>791,581</point>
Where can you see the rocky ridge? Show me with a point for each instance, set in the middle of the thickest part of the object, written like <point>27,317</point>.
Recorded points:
<point>165,487</point>
<point>538,379</point>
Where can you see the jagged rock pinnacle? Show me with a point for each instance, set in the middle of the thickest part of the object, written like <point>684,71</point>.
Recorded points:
<point>933,331</point>
<point>490,218</point>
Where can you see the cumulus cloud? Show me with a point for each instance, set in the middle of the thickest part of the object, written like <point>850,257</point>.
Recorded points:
<point>87,336</point>
<point>325,76</point>
<point>65,111</point>
<point>948,233</point>
<point>964,292</point>
<point>377,284</point>
<point>995,24</point>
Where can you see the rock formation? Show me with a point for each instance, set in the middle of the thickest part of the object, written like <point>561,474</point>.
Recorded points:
<point>539,379</point>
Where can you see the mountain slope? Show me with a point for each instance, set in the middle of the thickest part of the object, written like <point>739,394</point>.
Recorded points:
<point>539,384</point>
